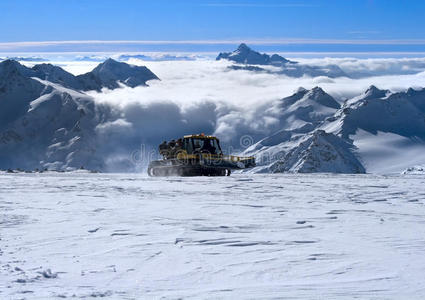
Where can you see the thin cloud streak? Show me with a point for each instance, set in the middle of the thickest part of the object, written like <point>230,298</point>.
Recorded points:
<point>287,41</point>
<point>261,5</point>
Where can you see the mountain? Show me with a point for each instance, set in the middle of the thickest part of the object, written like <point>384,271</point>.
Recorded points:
<point>110,73</point>
<point>245,55</point>
<point>251,59</point>
<point>298,146</point>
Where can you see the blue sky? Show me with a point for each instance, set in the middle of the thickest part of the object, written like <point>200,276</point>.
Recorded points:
<point>308,25</point>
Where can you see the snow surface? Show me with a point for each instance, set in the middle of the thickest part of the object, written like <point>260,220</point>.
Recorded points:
<point>293,236</point>
<point>388,152</point>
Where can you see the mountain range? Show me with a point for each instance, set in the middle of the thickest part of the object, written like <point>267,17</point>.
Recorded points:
<point>46,118</point>
<point>377,131</point>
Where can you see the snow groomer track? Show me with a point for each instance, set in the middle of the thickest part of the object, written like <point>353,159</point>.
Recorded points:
<point>247,236</point>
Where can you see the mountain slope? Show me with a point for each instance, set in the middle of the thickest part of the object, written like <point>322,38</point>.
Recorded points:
<point>58,119</point>
<point>17,90</point>
<point>319,152</point>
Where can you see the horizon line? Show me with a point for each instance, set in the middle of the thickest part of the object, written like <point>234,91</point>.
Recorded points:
<point>280,41</point>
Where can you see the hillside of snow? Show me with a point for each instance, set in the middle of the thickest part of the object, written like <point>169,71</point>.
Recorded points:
<point>290,236</point>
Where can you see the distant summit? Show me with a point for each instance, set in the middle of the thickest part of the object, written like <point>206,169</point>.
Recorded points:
<point>249,60</point>
<point>245,55</point>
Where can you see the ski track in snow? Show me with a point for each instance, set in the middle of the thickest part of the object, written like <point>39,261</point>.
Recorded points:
<point>128,236</point>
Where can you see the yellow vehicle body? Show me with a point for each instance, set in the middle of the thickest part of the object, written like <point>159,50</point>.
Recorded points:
<point>196,155</point>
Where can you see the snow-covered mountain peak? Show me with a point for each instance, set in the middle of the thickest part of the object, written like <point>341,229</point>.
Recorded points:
<point>110,65</point>
<point>374,92</point>
<point>110,72</point>
<point>243,48</point>
<point>323,98</point>
<point>10,67</point>
<point>301,90</point>
<point>245,55</point>
<point>315,97</point>
<point>47,68</point>
<point>56,74</point>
